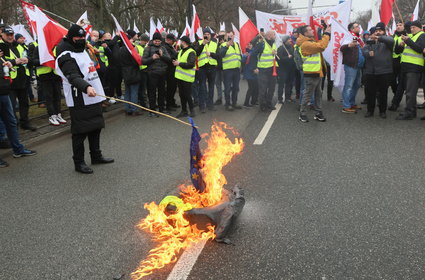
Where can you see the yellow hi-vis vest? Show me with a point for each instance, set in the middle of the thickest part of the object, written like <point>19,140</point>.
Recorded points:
<point>12,56</point>
<point>266,58</point>
<point>203,59</point>
<point>311,63</point>
<point>103,56</point>
<point>232,59</point>
<point>409,55</point>
<point>397,40</point>
<point>41,70</point>
<point>141,50</point>
<point>187,75</point>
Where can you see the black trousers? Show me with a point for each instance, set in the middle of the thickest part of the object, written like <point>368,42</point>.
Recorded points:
<point>377,89</point>
<point>171,87</point>
<point>156,82</point>
<point>330,82</point>
<point>22,96</point>
<point>114,79</point>
<point>297,82</point>
<point>78,145</point>
<point>252,93</point>
<point>52,93</point>
<point>185,92</point>
<point>286,79</point>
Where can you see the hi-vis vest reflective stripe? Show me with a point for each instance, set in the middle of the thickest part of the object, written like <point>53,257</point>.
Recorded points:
<point>311,63</point>
<point>232,59</point>
<point>409,55</point>
<point>141,50</point>
<point>397,40</point>
<point>266,58</point>
<point>203,59</point>
<point>12,56</point>
<point>187,75</point>
<point>103,56</point>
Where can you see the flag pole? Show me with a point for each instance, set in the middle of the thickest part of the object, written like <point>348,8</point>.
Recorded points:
<point>398,11</point>
<point>53,14</point>
<point>146,109</point>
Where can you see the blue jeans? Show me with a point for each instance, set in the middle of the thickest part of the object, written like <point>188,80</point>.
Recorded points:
<point>206,96</point>
<point>231,79</point>
<point>2,131</point>
<point>353,78</point>
<point>132,95</point>
<point>7,115</point>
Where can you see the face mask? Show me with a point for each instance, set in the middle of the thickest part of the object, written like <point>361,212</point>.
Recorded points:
<point>80,44</point>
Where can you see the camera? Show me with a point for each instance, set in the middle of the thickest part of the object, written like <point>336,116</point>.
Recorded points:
<point>370,42</point>
<point>205,38</point>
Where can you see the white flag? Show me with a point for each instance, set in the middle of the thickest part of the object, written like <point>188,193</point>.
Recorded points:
<point>84,22</point>
<point>135,27</point>
<point>340,36</point>
<point>152,28</point>
<point>222,26</point>
<point>415,14</point>
<point>237,35</point>
<point>20,28</point>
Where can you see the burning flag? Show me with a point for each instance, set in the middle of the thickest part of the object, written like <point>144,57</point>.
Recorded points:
<point>195,159</point>
<point>169,221</point>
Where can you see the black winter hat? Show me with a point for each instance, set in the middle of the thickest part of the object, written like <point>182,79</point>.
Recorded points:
<point>372,30</point>
<point>75,31</point>
<point>171,36</point>
<point>416,23</point>
<point>380,26</point>
<point>185,39</point>
<point>131,33</point>
<point>18,36</point>
<point>207,30</point>
<point>101,33</point>
<point>8,30</point>
<point>157,36</point>
<point>144,37</point>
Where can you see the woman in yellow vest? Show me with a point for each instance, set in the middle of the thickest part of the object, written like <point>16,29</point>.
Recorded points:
<point>185,75</point>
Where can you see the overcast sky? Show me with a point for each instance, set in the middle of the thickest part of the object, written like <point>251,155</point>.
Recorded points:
<point>357,6</point>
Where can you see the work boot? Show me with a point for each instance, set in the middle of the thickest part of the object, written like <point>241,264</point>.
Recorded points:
<point>83,168</point>
<point>101,160</point>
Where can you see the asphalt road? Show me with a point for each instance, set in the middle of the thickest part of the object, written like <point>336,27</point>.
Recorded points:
<point>343,199</point>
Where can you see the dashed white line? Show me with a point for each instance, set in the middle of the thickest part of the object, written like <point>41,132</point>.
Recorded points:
<point>187,260</point>
<point>266,128</point>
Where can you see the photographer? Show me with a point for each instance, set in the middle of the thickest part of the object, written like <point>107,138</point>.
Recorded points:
<point>231,55</point>
<point>206,50</point>
<point>378,69</point>
<point>157,59</point>
<point>353,61</point>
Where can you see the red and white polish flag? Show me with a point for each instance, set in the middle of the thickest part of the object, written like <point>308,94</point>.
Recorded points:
<point>247,32</point>
<point>127,42</point>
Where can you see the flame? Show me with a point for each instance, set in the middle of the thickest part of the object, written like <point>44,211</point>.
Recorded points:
<point>174,232</point>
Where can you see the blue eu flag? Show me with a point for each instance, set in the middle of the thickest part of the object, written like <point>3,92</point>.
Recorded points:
<point>195,159</point>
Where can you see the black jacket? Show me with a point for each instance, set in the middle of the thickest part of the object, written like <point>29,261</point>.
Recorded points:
<point>84,118</point>
<point>417,46</point>
<point>129,68</point>
<point>158,66</point>
<point>286,63</point>
<point>381,62</point>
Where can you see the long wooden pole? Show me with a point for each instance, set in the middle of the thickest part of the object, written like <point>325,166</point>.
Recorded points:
<point>146,109</point>
<point>398,11</point>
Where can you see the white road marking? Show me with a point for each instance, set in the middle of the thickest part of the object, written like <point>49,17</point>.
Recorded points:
<point>266,128</point>
<point>187,260</point>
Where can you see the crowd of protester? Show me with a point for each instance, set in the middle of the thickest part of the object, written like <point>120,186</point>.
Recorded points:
<point>207,73</point>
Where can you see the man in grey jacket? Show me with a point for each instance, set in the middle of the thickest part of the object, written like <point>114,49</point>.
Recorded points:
<point>378,69</point>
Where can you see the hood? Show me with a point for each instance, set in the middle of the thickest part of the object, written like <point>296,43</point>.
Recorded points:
<point>301,39</point>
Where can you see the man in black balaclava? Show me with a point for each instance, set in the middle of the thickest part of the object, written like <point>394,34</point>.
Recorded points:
<point>81,84</point>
